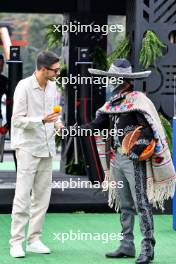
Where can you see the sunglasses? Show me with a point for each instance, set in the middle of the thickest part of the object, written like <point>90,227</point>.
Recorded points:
<point>54,70</point>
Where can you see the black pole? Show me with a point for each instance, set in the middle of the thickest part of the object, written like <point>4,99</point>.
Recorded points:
<point>89,149</point>
<point>15,74</point>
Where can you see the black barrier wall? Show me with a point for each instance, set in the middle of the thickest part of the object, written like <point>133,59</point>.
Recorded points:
<point>93,95</point>
<point>160,17</point>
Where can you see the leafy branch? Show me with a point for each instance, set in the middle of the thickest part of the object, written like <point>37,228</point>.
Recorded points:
<point>121,51</point>
<point>53,37</point>
<point>103,62</point>
<point>63,73</point>
<point>152,47</point>
<point>99,58</point>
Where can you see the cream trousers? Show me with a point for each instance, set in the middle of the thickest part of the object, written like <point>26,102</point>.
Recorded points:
<point>32,196</point>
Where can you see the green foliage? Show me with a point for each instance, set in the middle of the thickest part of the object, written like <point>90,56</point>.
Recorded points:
<point>152,47</point>
<point>102,61</point>
<point>53,37</point>
<point>63,73</point>
<point>99,58</point>
<point>168,130</point>
<point>36,35</point>
<point>122,51</point>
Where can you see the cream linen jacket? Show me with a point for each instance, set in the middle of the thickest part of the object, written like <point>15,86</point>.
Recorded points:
<point>30,105</point>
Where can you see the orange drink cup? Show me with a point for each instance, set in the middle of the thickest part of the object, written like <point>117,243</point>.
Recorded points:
<point>57,108</point>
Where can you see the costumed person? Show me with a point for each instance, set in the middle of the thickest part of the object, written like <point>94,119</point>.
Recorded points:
<point>32,136</point>
<point>145,182</point>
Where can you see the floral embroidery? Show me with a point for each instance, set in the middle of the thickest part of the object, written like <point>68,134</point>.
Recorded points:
<point>125,101</point>
<point>157,148</point>
<point>123,107</point>
<point>135,93</point>
<point>130,105</point>
<point>158,160</point>
<point>117,107</point>
<point>107,106</point>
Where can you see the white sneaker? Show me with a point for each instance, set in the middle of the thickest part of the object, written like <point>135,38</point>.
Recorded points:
<point>38,247</point>
<point>17,251</point>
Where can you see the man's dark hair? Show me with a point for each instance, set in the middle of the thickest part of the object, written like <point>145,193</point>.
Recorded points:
<point>1,57</point>
<point>46,59</point>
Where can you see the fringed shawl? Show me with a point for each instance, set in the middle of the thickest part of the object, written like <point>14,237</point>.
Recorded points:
<point>161,177</point>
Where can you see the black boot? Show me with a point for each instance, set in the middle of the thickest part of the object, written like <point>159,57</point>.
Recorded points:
<point>144,259</point>
<point>121,252</point>
<point>147,251</point>
<point>127,248</point>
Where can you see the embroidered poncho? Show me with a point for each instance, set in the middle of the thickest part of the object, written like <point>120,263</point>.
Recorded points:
<point>161,177</point>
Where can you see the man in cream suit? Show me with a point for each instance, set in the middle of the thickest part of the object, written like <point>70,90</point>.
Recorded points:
<point>32,136</point>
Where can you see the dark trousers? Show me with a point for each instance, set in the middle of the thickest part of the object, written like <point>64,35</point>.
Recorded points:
<point>132,199</point>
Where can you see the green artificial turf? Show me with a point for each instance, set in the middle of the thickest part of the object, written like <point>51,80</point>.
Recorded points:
<point>90,251</point>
